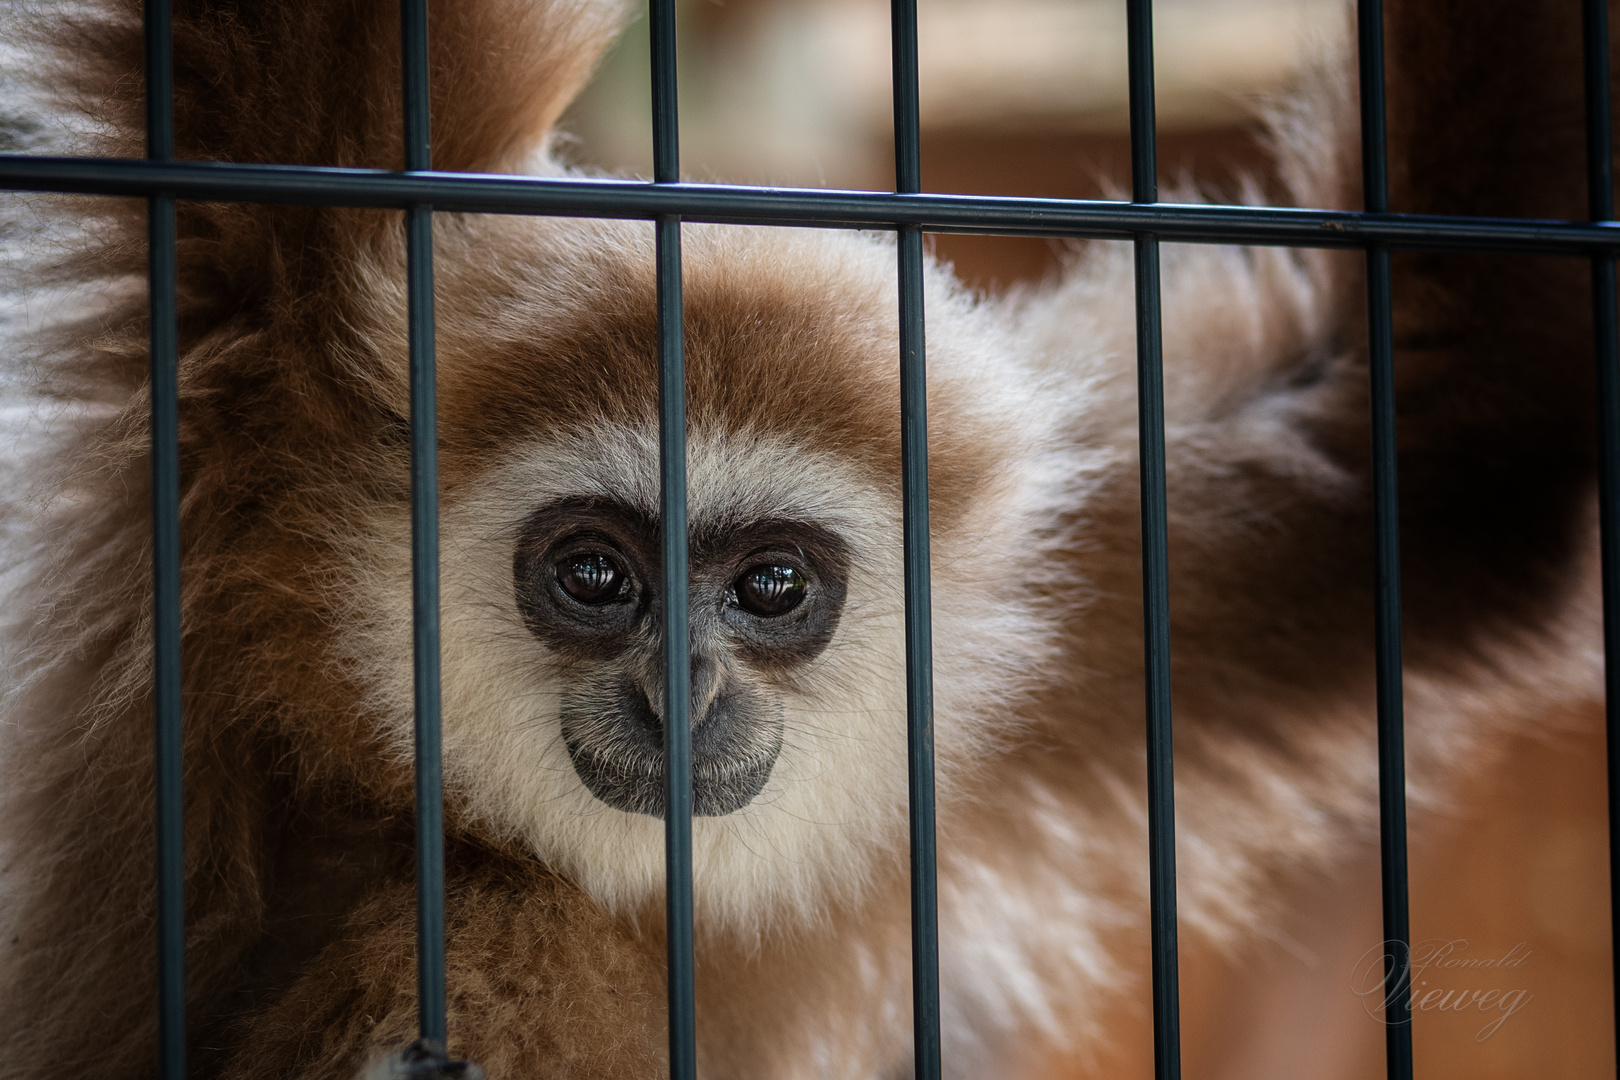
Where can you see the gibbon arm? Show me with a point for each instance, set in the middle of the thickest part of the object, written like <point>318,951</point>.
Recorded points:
<point>1270,494</point>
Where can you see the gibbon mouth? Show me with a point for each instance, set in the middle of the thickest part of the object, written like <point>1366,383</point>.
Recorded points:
<point>617,749</point>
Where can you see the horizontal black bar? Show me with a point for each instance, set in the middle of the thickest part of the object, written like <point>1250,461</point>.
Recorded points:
<point>576,197</point>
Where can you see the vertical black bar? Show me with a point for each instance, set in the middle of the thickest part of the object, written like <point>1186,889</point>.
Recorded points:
<point>907,111</point>
<point>1155,559</point>
<point>672,512</point>
<point>1606,330</point>
<point>424,539</point>
<point>1156,646</point>
<point>919,660</point>
<point>1608,359</point>
<point>162,272</point>
<point>414,63</point>
<point>1386,514</point>
<point>1391,737</point>
<point>665,99</point>
<point>1144,118</point>
<point>677,663</point>
<point>918,599</point>
<point>1374,135</point>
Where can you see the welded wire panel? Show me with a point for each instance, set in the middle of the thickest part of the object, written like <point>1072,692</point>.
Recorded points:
<point>1386,523</point>
<point>918,599</point>
<point>424,539</point>
<point>672,511</point>
<point>1606,330</point>
<point>1155,558</point>
<point>667,202</point>
<point>170,820</point>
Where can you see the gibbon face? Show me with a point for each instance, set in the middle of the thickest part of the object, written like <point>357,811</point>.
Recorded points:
<point>552,655</point>
<point>765,599</point>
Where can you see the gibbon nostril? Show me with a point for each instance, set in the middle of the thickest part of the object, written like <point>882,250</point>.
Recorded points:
<point>642,711</point>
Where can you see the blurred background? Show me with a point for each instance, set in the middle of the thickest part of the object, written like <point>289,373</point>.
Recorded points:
<point>1028,97</point>
<point>1018,97</point>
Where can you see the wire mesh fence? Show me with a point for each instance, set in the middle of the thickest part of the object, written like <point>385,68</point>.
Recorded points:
<point>420,192</point>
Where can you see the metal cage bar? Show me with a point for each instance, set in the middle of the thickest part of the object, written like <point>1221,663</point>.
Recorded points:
<point>169,737</point>
<point>1386,515</point>
<point>1098,219</point>
<point>431,1005</point>
<point>1161,795</point>
<point>672,513</point>
<point>925,1023</point>
<point>666,201</point>
<point>1606,342</point>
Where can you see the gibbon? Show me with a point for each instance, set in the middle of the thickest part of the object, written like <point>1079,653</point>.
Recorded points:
<point>296,603</point>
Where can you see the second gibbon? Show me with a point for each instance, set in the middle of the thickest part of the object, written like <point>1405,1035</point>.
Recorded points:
<point>297,571</point>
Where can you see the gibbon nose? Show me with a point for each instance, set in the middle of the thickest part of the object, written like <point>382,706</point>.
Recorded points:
<point>708,682</point>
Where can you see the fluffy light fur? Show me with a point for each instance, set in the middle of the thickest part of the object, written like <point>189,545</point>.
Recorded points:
<point>297,588</point>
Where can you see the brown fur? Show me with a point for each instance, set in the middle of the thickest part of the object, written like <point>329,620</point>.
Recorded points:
<point>298,868</point>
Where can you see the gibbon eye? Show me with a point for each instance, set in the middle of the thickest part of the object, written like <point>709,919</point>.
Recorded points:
<point>591,578</point>
<point>769,590</point>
